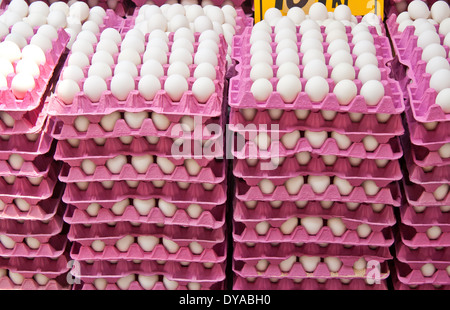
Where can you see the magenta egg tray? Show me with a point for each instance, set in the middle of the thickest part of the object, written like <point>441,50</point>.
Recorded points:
<point>415,237</point>
<point>31,122</point>
<point>159,286</point>
<point>50,267</point>
<point>18,232</point>
<point>59,283</point>
<point>432,216</point>
<point>417,287</point>
<point>54,248</point>
<point>416,195</point>
<point>418,257</point>
<point>409,276</point>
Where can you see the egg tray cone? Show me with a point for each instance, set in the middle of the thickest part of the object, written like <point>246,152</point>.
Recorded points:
<point>418,257</point>
<point>55,247</point>
<point>416,236</point>
<point>390,150</point>
<point>341,123</point>
<point>241,283</point>
<point>264,212</point>
<point>409,276</point>
<point>416,195</point>
<point>390,195</point>
<point>213,219</point>
<point>432,216</point>
<point>243,269</point>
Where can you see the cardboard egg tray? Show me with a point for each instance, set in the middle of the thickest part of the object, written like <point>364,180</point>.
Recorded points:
<point>341,123</point>
<point>416,236</point>
<point>247,270</point>
<point>50,267</point>
<point>388,195</point>
<point>416,195</point>
<point>382,238</point>
<point>432,216</point>
<point>139,146</point>
<point>159,286</point>
<point>162,104</point>
<point>16,108</point>
<point>409,276</point>
<point>58,283</point>
<point>263,211</point>
<point>423,157</point>
<point>213,219</point>
<point>398,285</point>
<point>418,257</point>
<point>140,3</point>
<point>241,283</point>
<point>170,192</point>
<point>290,168</point>
<point>39,167</point>
<point>55,247</point>
<point>31,122</point>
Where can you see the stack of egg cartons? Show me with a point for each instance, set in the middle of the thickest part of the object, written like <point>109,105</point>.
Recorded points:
<point>141,116</point>
<point>423,244</point>
<point>32,239</point>
<point>316,121</point>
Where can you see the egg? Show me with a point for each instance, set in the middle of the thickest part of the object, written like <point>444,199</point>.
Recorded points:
<point>286,69</point>
<point>170,245</point>
<point>293,185</point>
<point>124,243</point>
<point>125,282</point>
<point>439,80</point>
<point>148,87</point>
<point>336,34</point>
<point>116,164</point>
<point>100,284</point>
<point>316,139</point>
<point>16,278</point>
<point>363,230</point>
<point>441,192</point>
<point>21,84</point>
<point>7,242</point>
<point>32,243</point>
<point>318,11</point>
<point>203,88</point>
<point>373,92</point>
<point>170,285</point>
<point>433,50</point>
<point>336,226</point>
<point>309,263</point>
<point>316,88</point>
<point>289,226</point>
<point>427,269</point>
<point>444,27</point>
<point>261,89</point>
<point>57,19</point>
<point>418,9</point>
<point>121,85</point>
<point>338,45</point>
<point>147,282</point>
<point>175,85</point>
<point>315,68</point>
<point>345,91</point>
<point>119,207</point>
<point>319,183</point>
<point>266,186</point>
<point>312,225</point>
<point>434,232</point>
<point>341,57</point>
<point>107,45</point>
<point>443,100</point>
<point>311,44</point>
<point>444,151</point>
<point>303,158</point>
<point>290,140</point>
<point>10,51</point>
<point>354,161</point>
<point>289,86</point>
<point>262,228</point>
<point>343,71</point>
<point>93,87</point>
<point>370,143</point>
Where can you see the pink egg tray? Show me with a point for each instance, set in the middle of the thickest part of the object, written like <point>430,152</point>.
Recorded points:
<point>263,211</point>
<point>390,150</point>
<point>423,157</point>
<point>59,283</point>
<point>390,195</point>
<point>18,232</point>
<point>409,276</point>
<point>139,146</point>
<point>213,219</point>
<point>342,168</point>
<point>18,107</point>
<point>416,195</point>
<point>159,286</point>
<point>39,167</point>
<point>383,238</point>
<point>159,253</point>
<point>432,216</point>
<point>50,267</point>
<point>305,284</point>
<point>418,257</point>
<point>42,211</point>
<point>214,173</point>
<point>31,122</point>
<point>140,3</point>
<point>170,192</point>
<point>342,123</point>
<point>416,236</point>
<point>108,103</point>
<point>55,247</point>
<point>418,287</point>
<point>248,270</point>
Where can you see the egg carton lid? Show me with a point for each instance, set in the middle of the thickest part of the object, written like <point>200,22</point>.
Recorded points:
<point>240,283</point>
<point>30,123</point>
<point>50,267</point>
<point>409,276</point>
<point>416,195</point>
<point>20,145</point>
<point>390,150</point>
<point>213,219</point>
<point>420,256</point>
<point>341,123</point>
<point>139,146</point>
<point>276,254</point>
<point>416,236</point>
<point>110,234</point>
<point>382,238</point>
<point>34,98</point>
<point>170,192</point>
<point>244,269</point>
<point>80,253</point>
<point>431,216</point>
<point>31,285</point>
<point>290,168</point>
<point>111,272</point>
<point>390,195</point>
<point>43,210</point>
<point>55,247</point>
<point>263,211</point>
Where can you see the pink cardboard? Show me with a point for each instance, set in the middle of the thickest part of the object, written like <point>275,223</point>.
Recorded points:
<point>50,267</point>
<point>54,248</point>
<point>432,216</point>
<point>409,276</point>
<point>416,236</point>
<point>416,195</point>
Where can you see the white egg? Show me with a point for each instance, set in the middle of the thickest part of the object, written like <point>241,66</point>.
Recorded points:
<point>336,34</point>
<point>315,68</point>
<point>373,92</point>
<point>263,141</point>
<point>441,192</point>
<point>7,242</point>
<point>418,9</point>
<point>124,243</point>
<point>311,44</point>
<point>338,45</point>
<point>261,89</point>
<point>10,51</point>
<point>318,12</point>
<point>336,226</point>
<point>22,83</point>
<point>427,269</point>
<point>312,225</point>
<point>343,71</point>
<point>289,86</point>
<point>175,86</point>
<point>370,143</point>
<point>32,243</point>
<point>203,88</point>
<point>316,138</point>
<point>444,151</point>
<point>319,183</point>
<point>309,263</point>
<point>433,50</point>
<point>57,19</point>
<point>290,140</point>
<point>443,100</point>
<point>16,278</point>
<point>289,226</point>
<point>266,186</point>
<point>116,164</point>
<point>293,185</point>
<point>345,91</point>
<point>316,88</point>
<point>262,228</point>
<point>121,85</point>
<point>93,87</point>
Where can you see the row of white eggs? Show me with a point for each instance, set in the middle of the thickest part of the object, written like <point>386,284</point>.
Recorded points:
<point>351,206</point>
<point>34,181</point>
<point>82,186</point>
<point>143,207</point>
<point>313,225</point>
<point>426,31</point>
<point>310,263</point>
<point>18,279</point>
<point>9,243</point>
<point>345,281</point>
<point>9,122</point>
<point>421,209</point>
<point>429,269</point>
<point>315,138</point>
<point>147,282</point>
<point>417,9</point>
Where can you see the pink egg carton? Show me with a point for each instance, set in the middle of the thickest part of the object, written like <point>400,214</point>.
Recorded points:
<point>409,276</point>
<point>139,146</point>
<point>416,195</point>
<point>281,252</point>
<point>55,247</point>
<point>214,173</point>
<point>390,150</point>
<point>159,286</point>
<point>418,257</point>
<point>432,216</point>
<point>31,122</point>
<point>249,270</point>
<point>241,283</point>
<point>389,195</point>
<point>423,157</point>
<point>43,211</point>
<point>139,3</point>
<point>213,255</point>
<point>342,168</point>
<point>170,192</point>
<point>399,286</point>
<point>31,285</point>
<point>382,238</point>
<point>264,211</point>
<point>213,219</point>
<point>342,123</point>
<point>416,236</point>
<point>18,107</point>
<point>50,267</point>
<point>39,167</point>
